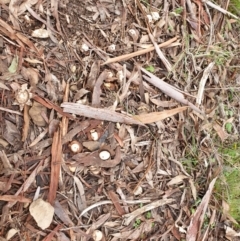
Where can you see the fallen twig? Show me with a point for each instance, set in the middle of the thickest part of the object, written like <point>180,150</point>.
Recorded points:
<point>140,52</point>
<point>169,90</point>
<point>212,5</point>
<point>55,166</point>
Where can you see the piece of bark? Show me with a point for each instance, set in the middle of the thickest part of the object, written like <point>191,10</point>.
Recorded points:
<point>13,198</point>
<point>98,113</point>
<point>56,152</point>
<point>114,197</point>
<point>26,123</point>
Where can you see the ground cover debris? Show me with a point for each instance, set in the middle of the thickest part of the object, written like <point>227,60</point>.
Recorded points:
<point>120,120</point>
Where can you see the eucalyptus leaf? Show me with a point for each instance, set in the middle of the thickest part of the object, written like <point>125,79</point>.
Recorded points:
<point>14,65</point>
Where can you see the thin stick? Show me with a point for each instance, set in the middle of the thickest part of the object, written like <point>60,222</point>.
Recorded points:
<point>11,111</point>
<point>168,90</point>
<point>64,118</point>
<point>140,52</point>
<point>212,5</point>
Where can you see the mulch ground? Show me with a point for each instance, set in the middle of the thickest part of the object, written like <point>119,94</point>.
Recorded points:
<point>113,113</point>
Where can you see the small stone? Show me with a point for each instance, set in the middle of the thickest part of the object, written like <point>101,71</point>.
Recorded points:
<point>42,212</point>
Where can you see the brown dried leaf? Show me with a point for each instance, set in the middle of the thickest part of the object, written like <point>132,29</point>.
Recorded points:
<point>102,219</point>
<point>11,134</point>
<point>197,219</point>
<point>38,139</point>
<point>82,204</point>
<point>149,178</point>
<point>54,8</point>
<point>113,196</point>
<point>52,86</point>
<point>231,233</point>
<point>176,233</point>
<point>30,74</point>
<point>97,89</point>
<point>176,180</point>
<point>220,131</point>
<point>158,116</point>
<point>23,7</point>
<point>35,113</point>
<point>26,41</point>
<point>62,213</point>
<point>193,188</point>
<point>134,139</point>
<point>13,7</point>
<point>2,184</point>
<point>5,161</point>
<point>92,78</point>
<point>3,67</point>
<point>47,103</point>
<point>28,182</point>
<point>80,127</point>
<point>53,125</point>
<point>80,95</point>
<point>33,61</point>
<point>91,145</point>
<point>3,86</point>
